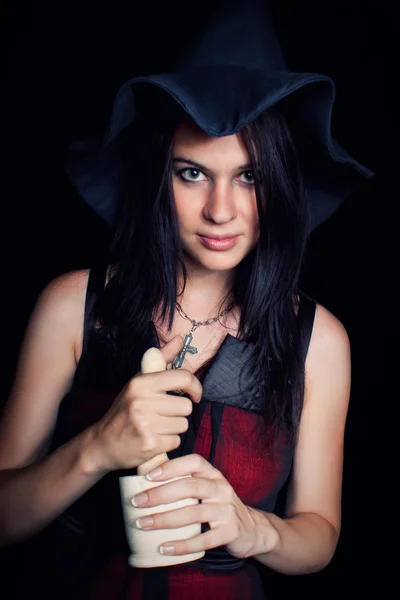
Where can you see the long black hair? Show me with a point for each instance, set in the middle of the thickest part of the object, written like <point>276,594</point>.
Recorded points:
<point>146,255</point>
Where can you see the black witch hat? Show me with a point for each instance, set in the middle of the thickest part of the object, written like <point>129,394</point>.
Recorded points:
<point>229,75</point>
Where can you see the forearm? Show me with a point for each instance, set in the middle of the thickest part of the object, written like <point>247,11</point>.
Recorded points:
<point>302,544</point>
<point>32,497</point>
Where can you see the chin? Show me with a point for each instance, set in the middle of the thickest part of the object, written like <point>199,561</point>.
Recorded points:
<point>217,261</point>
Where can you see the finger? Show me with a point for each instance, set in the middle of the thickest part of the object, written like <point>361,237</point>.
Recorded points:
<point>199,543</point>
<point>188,515</point>
<point>174,406</point>
<point>170,350</point>
<point>182,379</point>
<point>166,443</point>
<point>191,464</point>
<point>188,487</point>
<point>169,426</point>
<point>159,446</point>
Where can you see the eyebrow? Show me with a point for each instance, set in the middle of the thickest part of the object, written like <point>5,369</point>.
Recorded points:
<point>201,167</point>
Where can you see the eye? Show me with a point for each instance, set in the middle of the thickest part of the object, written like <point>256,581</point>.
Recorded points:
<point>191,175</point>
<point>247,177</point>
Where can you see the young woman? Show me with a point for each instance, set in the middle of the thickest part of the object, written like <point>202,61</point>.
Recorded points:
<point>210,237</point>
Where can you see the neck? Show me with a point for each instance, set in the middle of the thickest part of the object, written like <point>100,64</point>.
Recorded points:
<point>206,292</point>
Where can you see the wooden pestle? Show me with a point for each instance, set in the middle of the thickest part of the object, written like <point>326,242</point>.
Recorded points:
<point>152,362</point>
<point>144,544</point>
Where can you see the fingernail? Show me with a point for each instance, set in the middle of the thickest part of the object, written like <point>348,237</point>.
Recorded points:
<point>139,499</point>
<point>167,550</point>
<point>154,473</point>
<point>144,522</point>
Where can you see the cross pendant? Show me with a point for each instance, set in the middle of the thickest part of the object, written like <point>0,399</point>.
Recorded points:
<point>178,361</point>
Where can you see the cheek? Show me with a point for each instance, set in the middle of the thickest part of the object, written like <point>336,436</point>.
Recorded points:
<point>184,214</point>
<point>188,203</point>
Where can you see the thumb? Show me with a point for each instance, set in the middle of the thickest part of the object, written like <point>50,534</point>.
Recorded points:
<point>170,350</point>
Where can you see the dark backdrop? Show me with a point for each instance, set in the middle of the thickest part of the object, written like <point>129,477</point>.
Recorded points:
<point>64,63</point>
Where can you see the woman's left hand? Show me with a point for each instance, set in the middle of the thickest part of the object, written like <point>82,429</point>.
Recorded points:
<point>232,524</point>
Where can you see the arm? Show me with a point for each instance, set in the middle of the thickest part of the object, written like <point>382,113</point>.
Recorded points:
<point>34,489</point>
<point>33,496</point>
<point>306,539</point>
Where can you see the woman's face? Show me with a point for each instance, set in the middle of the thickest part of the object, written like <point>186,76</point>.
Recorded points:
<point>215,198</point>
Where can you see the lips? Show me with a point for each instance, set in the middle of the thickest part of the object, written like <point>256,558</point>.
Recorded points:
<point>220,242</point>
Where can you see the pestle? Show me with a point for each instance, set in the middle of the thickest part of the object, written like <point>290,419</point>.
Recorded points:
<point>144,545</point>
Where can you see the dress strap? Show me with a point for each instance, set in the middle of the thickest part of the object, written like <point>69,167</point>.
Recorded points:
<point>306,317</point>
<point>94,291</point>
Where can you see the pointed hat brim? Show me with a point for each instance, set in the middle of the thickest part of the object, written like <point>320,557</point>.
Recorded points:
<point>221,100</point>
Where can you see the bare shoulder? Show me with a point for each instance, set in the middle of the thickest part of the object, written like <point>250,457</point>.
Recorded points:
<point>329,333</point>
<point>317,472</point>
<point>45,371</point>
<point>62,302</point>
<point>66,288</point>
<point>328,359</point>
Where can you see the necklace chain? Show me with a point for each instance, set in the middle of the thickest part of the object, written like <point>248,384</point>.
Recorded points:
<point>187,343</point>
<point>210,321</point>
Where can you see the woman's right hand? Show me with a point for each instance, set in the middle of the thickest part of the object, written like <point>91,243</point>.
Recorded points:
<point>143,420</point>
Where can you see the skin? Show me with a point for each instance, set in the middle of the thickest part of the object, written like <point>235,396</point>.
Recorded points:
<point>214,195</point>
<point>142,423</point>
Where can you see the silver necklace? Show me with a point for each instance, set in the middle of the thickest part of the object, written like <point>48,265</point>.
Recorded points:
<point>187,341</point>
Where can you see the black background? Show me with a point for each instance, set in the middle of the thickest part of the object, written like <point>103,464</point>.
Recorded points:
<point>64,64</point>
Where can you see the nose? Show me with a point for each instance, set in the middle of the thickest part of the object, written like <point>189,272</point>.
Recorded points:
<point>220,206</point>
